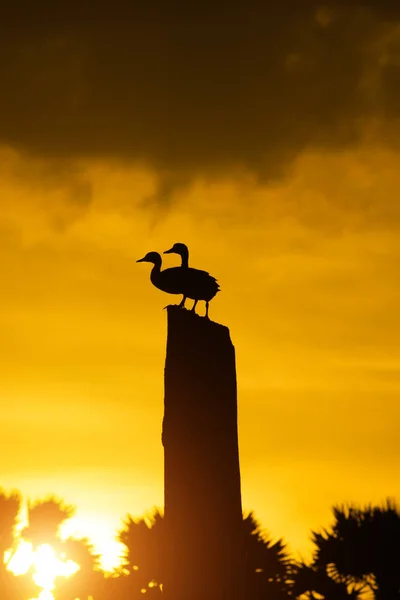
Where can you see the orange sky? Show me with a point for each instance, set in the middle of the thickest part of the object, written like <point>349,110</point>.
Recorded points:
<point>309,274</point>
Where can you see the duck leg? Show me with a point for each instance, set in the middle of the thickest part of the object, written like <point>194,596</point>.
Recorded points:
<point>182,304</point>
<point>207,305</point>
<point>194,306</point>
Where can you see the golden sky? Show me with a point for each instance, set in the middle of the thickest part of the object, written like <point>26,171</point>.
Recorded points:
<point>310,292</point>
<point>265,137</point>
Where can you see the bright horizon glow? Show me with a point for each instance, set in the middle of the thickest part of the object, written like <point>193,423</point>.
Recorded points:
<point>102,538</point>
<point>110,554</point>
<point>44,595</point>
<point>46,566</point>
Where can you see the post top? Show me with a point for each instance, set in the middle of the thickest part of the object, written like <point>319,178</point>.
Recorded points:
<point>184,319</point>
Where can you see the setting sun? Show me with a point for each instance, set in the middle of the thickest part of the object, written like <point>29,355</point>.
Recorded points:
<point>45,565</point>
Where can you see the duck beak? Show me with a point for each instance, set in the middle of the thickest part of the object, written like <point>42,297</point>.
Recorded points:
<point>142,259</point>
<point>170,251</point>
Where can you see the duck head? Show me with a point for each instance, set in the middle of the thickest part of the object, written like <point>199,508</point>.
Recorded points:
<point>178,248</point>
<point>151,257</point>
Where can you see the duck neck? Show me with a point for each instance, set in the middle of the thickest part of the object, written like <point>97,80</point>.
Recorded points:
<point>155,272</point>
<point>185,258</point>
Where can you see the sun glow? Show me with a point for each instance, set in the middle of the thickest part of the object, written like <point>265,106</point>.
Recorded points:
<point>45,564</point>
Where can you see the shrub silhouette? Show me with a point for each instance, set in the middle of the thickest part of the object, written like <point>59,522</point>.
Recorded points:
<point>358,553</point>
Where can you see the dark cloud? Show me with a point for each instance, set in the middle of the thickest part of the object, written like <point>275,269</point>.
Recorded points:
<point>55,189</point>
<point>198,86</point>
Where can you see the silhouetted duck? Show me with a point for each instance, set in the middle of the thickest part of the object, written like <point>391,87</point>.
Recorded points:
<point>197,284</point>
<point>168,280</point>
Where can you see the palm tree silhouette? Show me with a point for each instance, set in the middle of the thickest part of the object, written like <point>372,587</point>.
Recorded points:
<point>12,587</point>
<point>360,550</point>
<point>266,571</point>
<point>10,506</point>
<point>316,582</point>
<point>45,518</point>
<point>145,554</point>
<point>87,581</point>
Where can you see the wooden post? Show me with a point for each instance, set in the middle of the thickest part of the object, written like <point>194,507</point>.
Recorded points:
<point>203,509</point>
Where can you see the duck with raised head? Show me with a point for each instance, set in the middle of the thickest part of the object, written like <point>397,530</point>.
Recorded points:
<point>197,284</point>
<point>166,280</point>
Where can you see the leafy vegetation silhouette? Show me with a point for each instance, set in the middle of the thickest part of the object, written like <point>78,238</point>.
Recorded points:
<point>12,587</point>
<point>358,556</point>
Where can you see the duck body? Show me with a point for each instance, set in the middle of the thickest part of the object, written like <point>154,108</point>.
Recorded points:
<point>192,283</point>
<point>196,284</point>
<point>167,280</point>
